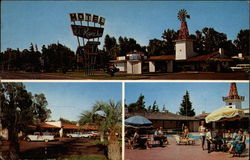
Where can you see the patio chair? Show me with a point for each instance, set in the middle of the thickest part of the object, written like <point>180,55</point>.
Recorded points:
<point>187,140</point>
<point>180,140</point>
<point>239,150</point>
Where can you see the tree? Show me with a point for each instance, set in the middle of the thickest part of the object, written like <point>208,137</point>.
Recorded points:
<point>169,36</point>
<point>155,107</point>
<point>164,108</point>
<point>212,40</point>
<point>242,42</point>
<point>57,57</point>
<point>128,45</point>
<point>18,111</point>
<point>108,117</point>
<point>138,106</point>
<point>186,106</point>
<point>156,47</point>
<point>63,120</point>
<point>40,105</point>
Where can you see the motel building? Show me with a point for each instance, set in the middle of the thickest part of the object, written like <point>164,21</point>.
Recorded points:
<point>56,128</point>
<point>184,59</point>
<point>173,122</point>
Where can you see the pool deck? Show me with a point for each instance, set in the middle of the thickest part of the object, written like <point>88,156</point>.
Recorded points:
<point>179,152</point>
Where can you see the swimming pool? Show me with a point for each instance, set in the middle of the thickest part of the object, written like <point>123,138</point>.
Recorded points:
<point>197,137</point>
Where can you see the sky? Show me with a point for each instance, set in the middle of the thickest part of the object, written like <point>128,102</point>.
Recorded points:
<point>205,96</point>
<point>46,22</point>
<point>69,100</point>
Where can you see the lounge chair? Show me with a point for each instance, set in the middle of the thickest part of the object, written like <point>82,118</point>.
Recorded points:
<point>181,140</point>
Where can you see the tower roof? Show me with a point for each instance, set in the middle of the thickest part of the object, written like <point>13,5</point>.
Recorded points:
<point>183,32</point>
<point>233,93</point>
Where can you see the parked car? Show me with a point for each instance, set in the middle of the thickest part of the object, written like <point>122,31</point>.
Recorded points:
<point>241,67</point>
<point>37,136</point>
<point>79,135</point>
<point>95,133</point>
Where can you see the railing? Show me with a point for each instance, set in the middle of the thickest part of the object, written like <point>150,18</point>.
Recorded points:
<point>242,98</point>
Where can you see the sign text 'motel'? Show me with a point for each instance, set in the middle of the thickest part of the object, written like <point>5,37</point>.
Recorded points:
<point>87,17</point>
<point>87,31</point>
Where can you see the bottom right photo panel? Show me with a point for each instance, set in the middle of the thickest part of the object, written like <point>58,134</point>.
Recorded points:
<point>186,120</point>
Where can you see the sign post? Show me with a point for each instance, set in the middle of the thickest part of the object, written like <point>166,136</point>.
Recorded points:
<point>87,30</point>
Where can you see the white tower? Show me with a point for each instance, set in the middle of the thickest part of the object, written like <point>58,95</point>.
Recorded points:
<point>184,45</point>
<point>233,98</point>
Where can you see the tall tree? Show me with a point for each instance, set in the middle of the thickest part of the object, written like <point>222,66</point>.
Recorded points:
<point>242,42</point>
<point>18,112</point>
<point>155,107</point>
<point>157,47</point>
<point>138,106</point>
<point>169,36</point>
<point>186,106</point>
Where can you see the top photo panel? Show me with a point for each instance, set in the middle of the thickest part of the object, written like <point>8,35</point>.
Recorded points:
<point>124,40</point>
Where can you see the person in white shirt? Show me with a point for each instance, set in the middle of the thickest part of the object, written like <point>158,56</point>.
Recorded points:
<point>202,131</point>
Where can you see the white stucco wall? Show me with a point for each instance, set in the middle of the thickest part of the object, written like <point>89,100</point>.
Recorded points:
<point>184,50</point>
<point>56,123</point>
<point>151,66</point>
<point>134,67</point>
<point>235,103</point>
<point>129,67</point>
<point>122,66</point>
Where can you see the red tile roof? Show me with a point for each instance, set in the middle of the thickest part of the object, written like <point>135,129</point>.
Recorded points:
<point>161,116</point>
<point>69,126</point>
<point>203,57</point>
<point>163,57</point>
<point>45,125</point>
<point>201,116</point>
<point>210,56</point>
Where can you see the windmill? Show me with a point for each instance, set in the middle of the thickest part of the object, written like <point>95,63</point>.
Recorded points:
<point>183,32</point>
<point>182,15</point>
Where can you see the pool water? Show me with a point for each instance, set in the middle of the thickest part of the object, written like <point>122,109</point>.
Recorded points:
<point>197,137</point>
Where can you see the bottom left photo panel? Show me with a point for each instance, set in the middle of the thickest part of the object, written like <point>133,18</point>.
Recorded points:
<point>61,120</point>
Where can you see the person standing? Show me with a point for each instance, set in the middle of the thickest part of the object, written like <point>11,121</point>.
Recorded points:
<point>202,131</point>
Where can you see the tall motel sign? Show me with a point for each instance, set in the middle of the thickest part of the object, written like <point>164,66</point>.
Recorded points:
<point>88,28</point>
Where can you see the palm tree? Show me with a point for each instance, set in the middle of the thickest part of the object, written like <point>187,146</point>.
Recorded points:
<point>108,117</point>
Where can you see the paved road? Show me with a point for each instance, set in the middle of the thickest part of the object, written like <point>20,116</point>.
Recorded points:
<point>124,76</point>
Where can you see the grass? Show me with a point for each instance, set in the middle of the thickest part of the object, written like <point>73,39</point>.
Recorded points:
<point>98,142</point>
<point>81,157</point>
<point>81,75</point>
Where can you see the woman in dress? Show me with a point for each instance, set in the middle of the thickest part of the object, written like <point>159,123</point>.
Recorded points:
<point>202,131</point>
<point>238,143</point>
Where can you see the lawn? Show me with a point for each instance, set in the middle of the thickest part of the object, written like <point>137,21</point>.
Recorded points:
<point>81,157</point>
<point>81,75</point>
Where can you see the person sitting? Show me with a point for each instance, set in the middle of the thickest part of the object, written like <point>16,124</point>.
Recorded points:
<point>163,137</point>
<point>142,142</point>
<point>158,136</point>
<point>228,139</point>
<point>185,132</point>
<point>218,140</point>
<point>129,139</point>
<point>238,144</point>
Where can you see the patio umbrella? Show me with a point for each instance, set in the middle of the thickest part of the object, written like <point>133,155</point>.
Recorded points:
<point>226,113</point>
<point>138,122</point>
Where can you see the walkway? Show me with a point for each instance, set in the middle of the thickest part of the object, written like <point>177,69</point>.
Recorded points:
<point>180,152</point>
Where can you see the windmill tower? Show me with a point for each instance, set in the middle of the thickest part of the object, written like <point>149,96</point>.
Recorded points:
<point>233,98</point>
<point>184,45</point>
